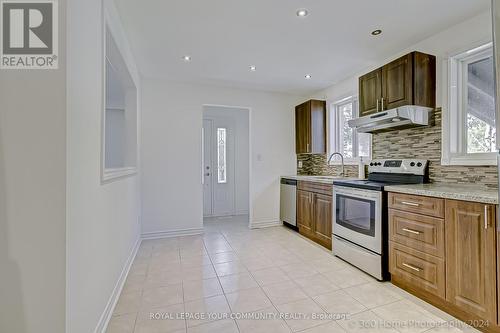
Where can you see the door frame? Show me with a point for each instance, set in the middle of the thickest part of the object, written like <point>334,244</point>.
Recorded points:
<point>250,169</point>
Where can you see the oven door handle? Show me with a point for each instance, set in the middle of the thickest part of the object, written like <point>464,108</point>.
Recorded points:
<point>358,195</point>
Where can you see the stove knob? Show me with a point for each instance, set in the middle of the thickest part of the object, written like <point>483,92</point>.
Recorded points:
<point>419,164</point>
<point>379,164</point>
<point>371,164</point>
<point>412,164</point>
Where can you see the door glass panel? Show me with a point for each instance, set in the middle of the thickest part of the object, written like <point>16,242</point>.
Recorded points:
<point>221,156</point>
<point>356,214</point>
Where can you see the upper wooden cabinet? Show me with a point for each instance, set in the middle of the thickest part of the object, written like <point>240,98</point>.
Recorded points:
<point>471,258</point>
<point>409,80</point>
<point>370,92</point>
<point>310,127</point>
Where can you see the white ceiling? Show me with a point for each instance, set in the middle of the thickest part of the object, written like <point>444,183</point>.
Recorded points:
<point>225,37</point>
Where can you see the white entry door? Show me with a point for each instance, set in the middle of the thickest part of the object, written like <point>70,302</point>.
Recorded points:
<point>219,182</point>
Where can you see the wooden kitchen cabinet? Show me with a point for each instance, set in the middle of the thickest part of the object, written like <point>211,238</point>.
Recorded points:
<point>305,213</point>
<point>471,258</point>
<point>314,212</point>
<point>370,92</point>
<point>397,83</point>
<point>408,80</point>
<point>310,127</point>
<point>323,219</point>
<point>446,252</point>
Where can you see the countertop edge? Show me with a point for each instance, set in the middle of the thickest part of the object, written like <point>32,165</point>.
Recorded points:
<point>443,194</point>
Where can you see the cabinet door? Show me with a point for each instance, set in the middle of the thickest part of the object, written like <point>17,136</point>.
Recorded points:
<point>303,127</point>
<point>397,83</point>
<point>370,92</point>
<point>323,219</point>
<point>318,127</point>
<point>305,213</point>
<point>471,258</point>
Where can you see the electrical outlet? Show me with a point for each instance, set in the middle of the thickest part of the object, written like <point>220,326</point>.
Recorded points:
<point>299,165</point>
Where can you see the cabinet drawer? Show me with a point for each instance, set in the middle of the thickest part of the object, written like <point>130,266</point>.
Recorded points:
<point>417,269</point>
<point>417,204</point>
<point>326,189</point>
<point>419,232</point>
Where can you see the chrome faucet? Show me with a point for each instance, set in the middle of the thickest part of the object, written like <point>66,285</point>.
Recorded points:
<point>342,160</point>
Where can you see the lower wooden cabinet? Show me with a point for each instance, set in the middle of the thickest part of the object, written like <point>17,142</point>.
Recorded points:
<point>314,214</point>
<point>323,219</point>
<point>418,269</point>
<point>305,213</point>
<point>471,258</point>
<point>455,268</point>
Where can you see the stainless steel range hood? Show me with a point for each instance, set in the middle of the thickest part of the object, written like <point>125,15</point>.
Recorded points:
<point>389,120</point>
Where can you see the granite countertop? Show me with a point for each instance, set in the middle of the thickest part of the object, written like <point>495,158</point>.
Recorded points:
<point>449,191</point>
<point>317,179</point>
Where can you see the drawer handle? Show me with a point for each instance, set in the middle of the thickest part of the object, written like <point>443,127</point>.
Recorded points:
<point>415,232</point>
<point>412,267</point>
<point>410,203</point>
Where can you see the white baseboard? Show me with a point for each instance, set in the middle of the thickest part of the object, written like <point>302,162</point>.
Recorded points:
<point>102,325</point>
<point>172,233</point>
<point>264,224</point>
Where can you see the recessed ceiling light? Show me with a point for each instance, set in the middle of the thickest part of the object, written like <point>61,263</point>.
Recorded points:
<point>308,76</point>
<point>186,58</point>
<point>253,68</point>
<point>376,32</point>
<point>302,12</point>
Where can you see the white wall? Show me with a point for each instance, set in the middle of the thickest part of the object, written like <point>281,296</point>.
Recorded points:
<point>102,219</point>
<point>171,155</point>
<point>241,152</point>
<point>473,32</point>
<point>32,196</point>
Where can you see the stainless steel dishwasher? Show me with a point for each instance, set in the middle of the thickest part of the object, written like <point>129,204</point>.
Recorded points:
<point>288,203</point>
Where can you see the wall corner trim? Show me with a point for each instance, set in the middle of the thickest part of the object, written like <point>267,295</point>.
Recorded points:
<point>172,233</point>
<point>102,325</point>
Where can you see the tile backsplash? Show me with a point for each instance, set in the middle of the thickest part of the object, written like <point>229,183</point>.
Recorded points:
<point>420,142</point>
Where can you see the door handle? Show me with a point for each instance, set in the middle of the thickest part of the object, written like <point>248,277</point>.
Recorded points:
<point>207,174</point>
<point>412,267</point>
<point>486,223</point>
<point>410,203</point>
<point>411,231</point>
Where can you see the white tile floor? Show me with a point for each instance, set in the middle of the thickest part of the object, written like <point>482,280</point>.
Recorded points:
<point>203,284</point>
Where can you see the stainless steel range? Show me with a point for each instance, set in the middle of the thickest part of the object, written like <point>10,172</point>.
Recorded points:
<point>360,226</point>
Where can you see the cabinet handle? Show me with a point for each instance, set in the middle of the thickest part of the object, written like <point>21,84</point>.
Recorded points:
<point>382,104</point>
<point>307,148</point>
<point>410,203</point>
<point>412,267</point>
<point>486,223</point>
<point>412,231</point>
<point>377,105</point>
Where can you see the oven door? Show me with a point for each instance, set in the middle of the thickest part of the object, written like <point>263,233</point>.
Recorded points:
<point>357,217</point>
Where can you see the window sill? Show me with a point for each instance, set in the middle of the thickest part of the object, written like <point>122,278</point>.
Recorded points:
<point>110,175</point>
<point>469,161</point>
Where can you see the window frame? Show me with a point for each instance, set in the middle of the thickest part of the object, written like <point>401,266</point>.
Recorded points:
<point>130,169</point>
<point>334,129</point>
<point>454,117</point>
